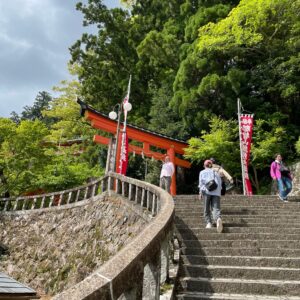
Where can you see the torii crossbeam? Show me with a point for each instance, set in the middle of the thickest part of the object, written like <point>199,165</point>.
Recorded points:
<point>148,138</point>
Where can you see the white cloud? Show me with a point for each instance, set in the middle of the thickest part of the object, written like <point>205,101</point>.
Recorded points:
<point>34,39</point>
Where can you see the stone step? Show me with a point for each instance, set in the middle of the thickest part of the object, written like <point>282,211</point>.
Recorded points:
<point>262,203</point>
<point>238,210</point>
<point>273,230</point>
<point>276,202</point>
<point>242,212</point>
<point>231,296</point>
<point>241,272</point>
<point>244,286</point>
<point>258,261</point>
<point>256,257</point>
<point>278,244</point>
<point>242,220</point>
<point>208,235</point>
<point>263,198</point>
<point>239,225</point>
<point>239,251</point>
<point>259,199</point>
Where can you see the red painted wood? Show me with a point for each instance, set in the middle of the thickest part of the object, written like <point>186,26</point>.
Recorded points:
<point>147,138</point>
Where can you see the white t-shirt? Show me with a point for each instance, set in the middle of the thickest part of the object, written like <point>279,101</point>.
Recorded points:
<point>167,169</point>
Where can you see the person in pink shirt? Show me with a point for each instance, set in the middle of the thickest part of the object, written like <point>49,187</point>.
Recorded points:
<point>282,175</point>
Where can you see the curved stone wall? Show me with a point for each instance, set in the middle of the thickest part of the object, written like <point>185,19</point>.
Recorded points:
<point>53,249</point>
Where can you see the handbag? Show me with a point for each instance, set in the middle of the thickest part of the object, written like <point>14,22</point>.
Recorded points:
<point>211,185</point>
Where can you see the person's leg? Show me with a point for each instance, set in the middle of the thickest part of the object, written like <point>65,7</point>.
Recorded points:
<point>168,183</point>
<point>207,203</point>
<point>216,204</point>
<point>216,207</point>
<point>288,185</point>
<point>163,183</point>
<point>281,188</point>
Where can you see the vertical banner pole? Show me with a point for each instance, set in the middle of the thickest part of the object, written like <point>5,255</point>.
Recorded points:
<point>124,140</point>
<point>241,149</point>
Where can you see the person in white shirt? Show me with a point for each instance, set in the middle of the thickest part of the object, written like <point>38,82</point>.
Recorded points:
<point>166,174</point>
<point>211,197</point>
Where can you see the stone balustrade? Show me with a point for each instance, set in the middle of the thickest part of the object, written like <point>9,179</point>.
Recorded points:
<point>139,268</point>
<point>52,199</point>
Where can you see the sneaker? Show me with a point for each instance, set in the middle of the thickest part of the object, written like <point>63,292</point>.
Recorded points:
<point>285,200</point>
<point>219,225</point>
<point>282,199</point>
<point>208,225</point>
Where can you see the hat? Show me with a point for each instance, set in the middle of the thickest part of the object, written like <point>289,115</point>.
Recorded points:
<point>212,160</point>
<point>207,162</point>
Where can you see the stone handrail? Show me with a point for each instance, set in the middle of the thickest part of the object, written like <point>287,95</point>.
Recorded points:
<point>53,199</point>
<point>137,270</point>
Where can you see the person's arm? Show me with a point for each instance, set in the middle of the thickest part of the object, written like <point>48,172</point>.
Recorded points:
<point>202,181</point>
<point>227,175</point>
<point>273,170</point>
<point>219,180</point>
<point>199,186</point>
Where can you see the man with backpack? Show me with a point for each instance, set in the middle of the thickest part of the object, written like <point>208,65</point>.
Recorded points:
<point>210,185</point>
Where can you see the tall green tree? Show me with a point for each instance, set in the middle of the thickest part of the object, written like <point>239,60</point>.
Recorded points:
<point>149,43</point>
<point>75,156</point>
<point>107,58</point>
<point>252,54</point>
<point>34,112</point>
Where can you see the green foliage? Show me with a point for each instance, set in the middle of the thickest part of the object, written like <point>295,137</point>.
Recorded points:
<point>269,137</point>
<point>75,156</point>
<point>298,146</point>
<point>34,157</point>
<point>22,154</point>
<point>221,142</point>
<point>66,170</point>
<point>253,53</point>
<point>190,60</point>
<point>163,119</point>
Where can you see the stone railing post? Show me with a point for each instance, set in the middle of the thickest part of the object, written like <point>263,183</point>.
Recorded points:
<point>151,280</point>
<point>165,259</point>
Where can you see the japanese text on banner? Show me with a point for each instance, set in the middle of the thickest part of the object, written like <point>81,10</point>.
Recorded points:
<point>246,122</point>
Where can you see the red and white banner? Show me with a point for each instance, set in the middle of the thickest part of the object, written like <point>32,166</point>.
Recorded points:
<point>124,138</point>
<point>246,124</point>
<point>124,154</point>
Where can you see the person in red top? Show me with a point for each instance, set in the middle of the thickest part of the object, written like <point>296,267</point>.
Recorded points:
<point>282,175</point>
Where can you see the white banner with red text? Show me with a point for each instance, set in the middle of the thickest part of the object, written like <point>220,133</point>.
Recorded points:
<point>246,123</point>
<point>124,154</point>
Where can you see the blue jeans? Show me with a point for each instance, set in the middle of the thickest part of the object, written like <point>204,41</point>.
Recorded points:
<point>211,202</point>
<point>284,186</point>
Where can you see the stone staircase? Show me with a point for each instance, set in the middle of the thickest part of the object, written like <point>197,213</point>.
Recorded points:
<point>256,257</point>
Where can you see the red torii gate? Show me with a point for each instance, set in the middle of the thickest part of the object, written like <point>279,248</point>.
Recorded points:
<point>149,138</point>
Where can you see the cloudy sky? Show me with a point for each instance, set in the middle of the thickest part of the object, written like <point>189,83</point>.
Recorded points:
<point>34,39</point>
